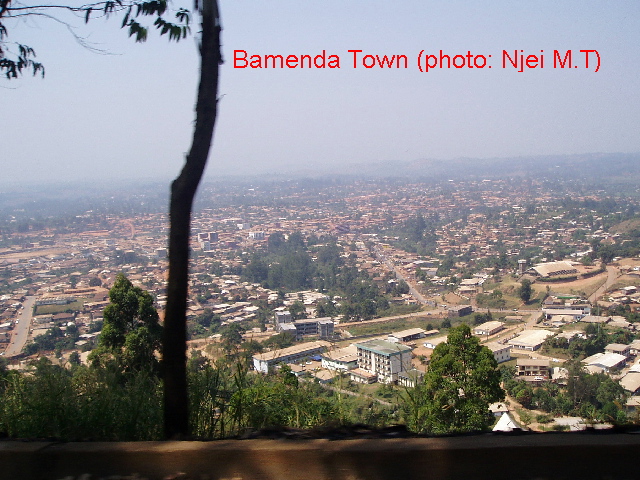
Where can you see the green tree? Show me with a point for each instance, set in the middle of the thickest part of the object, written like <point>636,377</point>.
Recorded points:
<point>525,290</point>
<point>463,379</point>
<point>232,337</point>
<point>298,310</point>
<point>131,329</point>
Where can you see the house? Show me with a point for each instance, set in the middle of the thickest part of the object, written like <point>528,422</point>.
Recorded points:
<point>502,353</point>
<point>631,382</point>
<point>595,319</point>
<point>530,340</point>
<point>283,317</point>
<point>359,375</point>
<point>322,327</point>
<point>343,359</point>
<point>460,310</point>
<point>618,348</point>
<point>406,335</point>
<point>384,359</point>
<point>634,347</point>
<point>410,378</point>
<point>470,286</point>
<point>605,362</point>
<point>633,406</point>
<point>620,322</point>
<point>498,408</point>
<point>530,367</point>
<point>568,314</point>
<point>435,341</point>
<point>488,328</point>
<point>263,361</point>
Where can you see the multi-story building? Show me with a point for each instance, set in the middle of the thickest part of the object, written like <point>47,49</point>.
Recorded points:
<point>502,353</point>
<point>322,327</point>
<point>384,359</point>
<point>528,367</point>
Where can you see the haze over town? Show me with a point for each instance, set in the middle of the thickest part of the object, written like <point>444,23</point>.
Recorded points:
<point>128,114</point>
<point>337,274</point>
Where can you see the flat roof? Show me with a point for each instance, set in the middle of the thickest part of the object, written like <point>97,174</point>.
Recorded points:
<point>294,350</point>
<point>489,325</point>
<point>362,373</point>
<point>530,362</point>
<point>383,347</point>
<point>617,346</point>
<point>530,337</point>
<point>631,381</point>
<point>346,354</point>
<point>407,333</point>
<point>495,346</point>
<point>607,360</point>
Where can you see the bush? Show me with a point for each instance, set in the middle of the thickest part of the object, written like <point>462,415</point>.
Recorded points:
<point>541,418</point>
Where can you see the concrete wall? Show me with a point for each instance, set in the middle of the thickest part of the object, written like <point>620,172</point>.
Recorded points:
<point>495,457</point>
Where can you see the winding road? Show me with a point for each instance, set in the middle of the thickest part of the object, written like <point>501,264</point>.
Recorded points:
<point>613,273</point>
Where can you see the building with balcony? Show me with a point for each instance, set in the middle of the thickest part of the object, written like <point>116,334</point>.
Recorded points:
<point>384,359</point>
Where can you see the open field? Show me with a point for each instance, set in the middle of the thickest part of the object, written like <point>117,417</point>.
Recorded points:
<point>7,254</point>
<point>53,309</point>
<point>392,325</point>
<point>584,286</point>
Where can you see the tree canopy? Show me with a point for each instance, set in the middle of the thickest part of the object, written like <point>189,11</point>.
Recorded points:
<point>15,57</point>
<point>463,379</point>
<point>525,290</point>
<point>131,325</point>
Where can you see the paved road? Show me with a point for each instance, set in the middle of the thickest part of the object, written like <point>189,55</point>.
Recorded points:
<point>612,275</point>
<point>21,330</point>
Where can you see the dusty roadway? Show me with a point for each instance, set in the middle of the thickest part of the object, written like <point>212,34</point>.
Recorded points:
<point>21,330</point>
<point>613,273</point>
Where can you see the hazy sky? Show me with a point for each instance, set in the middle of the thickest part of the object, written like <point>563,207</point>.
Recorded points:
<point>129,113</point>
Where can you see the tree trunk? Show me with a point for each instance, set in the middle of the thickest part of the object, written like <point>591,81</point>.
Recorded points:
<point>183,190</point>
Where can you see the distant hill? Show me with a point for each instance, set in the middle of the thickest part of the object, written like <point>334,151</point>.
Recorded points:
<point>592,168</point>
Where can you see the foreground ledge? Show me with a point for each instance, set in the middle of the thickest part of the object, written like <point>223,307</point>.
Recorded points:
<point>495,457</point>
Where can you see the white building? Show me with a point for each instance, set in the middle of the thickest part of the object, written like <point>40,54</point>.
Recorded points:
<point>322,327</point>
<point>502,353</point>
<point>384,359</point>
<point>343,359</point>
<point>488,328</point>
<point>262,361</point>
<point>605,361</point>
<point>530,340</point>
<point>407,335</point>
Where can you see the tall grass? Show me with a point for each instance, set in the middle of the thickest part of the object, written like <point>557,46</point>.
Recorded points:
<point>104,403</point>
